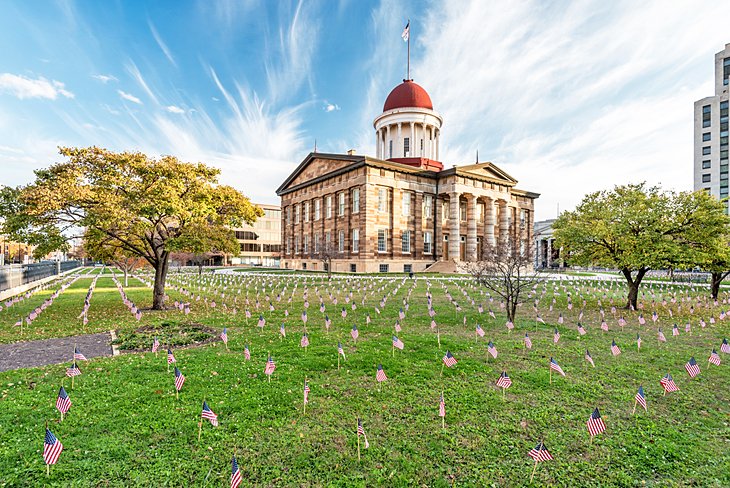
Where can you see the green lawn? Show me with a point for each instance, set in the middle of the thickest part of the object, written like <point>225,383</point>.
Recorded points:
<point>126,427</point>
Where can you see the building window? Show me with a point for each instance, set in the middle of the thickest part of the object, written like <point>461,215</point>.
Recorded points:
<point>706,164</point>
<point>288,245</point>
<point>421,145</point>
<point>462,211</point>
<point>407,268</point>
<point>355,200</point>
<point>382,240</point>
<point>296,245</point>
<point>306,211</point>
<point>355,240</point>
<point>390,148</point>
<point>382,200</point>
<point>406,241</point>
<point>306,244</point>
<point>341,244</point>
<point>522,218</point>
<point>706,136</point>
<point>297,214</point>
<point>406,204</point>
<point>427,243</point>
<point>428,206</point>
<point>706,150</point>
<point>304,265</point>
<point>353,268</point>
<point>706,116</point>
<point>288,215</point>
<point>706,178</point>
<point>341,204</point>
<point>725,70</point>
<point>383,268</point>
<point>406,146</point>
<point>316,243</point>
<point>444,211</point>
<point>328,206</point>
<point>317,209</point>
<point>327,241</point>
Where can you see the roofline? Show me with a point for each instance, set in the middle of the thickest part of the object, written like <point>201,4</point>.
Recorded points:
<point>309,158</point>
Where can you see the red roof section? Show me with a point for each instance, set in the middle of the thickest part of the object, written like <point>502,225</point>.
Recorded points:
<point>423,163</point>
<point>407,94</point>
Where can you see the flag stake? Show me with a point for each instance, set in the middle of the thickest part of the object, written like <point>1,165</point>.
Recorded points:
<point>533,471</point>
<point>358,444</point>
<point>305,403</point>
<point>200,429</point>
<point>634,410</point>
<point>551,376</point>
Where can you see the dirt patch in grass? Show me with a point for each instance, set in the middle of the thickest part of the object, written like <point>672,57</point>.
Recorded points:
<point>173,334</point>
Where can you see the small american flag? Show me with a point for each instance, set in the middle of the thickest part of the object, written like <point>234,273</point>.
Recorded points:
<point>581,330</point>
<point>560,318</point>
<point>179,379</point>
<point>380,374</point>
<point>442,406</point>
<point>343,313</point>
<point>480,331</point>
<point>235,474</point>
<point>354,332</point>
<point>401,314</point>
<point>714,358</point>
<point>304,316</point>
<point>725,347</point>
<point>209,415</point>
<point>540,453</point>
<point>668,383</point>
<point>492,350</point>
<point>556,367</point>
<point>170,357</point>
<point>595,423</point>
<point>615,349</point>
<point>510,325</point>
<point>654,316</point>
<point>539,319</point>
<point>604,326</point>
<point>361,432</point>
<point>306,392</point>
<point>556,336</point>
<point>78,356</point>
<point>270,366</point>
<point>340,350</point>
<point>246,353</point>
<point>305,341</point>
<point>155,345</point>
<point>642,320</point>
<point>224,335</point>
<point>52,448</point>
<point>397,343</point>
<point>528,341</point>
<point>638,341</point>
<point>641,398</point>
<point>448,359</point>
<point>63,402</point>
<point>675,330</point>
<point>262,321</point>
<point>327,321</point>
<point>282,330</point>
<point>491,314</point>
<point>504,381</point>
<point>661,337</point>
<point>693,369</point>
<point>589,358</point>
<point>73,370</point>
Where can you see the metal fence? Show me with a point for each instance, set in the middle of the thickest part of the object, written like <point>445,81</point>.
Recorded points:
<point>20,274</point>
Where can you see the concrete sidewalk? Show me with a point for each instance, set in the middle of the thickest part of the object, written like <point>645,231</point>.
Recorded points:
<point>32,354</point>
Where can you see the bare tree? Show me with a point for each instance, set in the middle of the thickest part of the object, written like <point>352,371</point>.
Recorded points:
<point>127,264</point>
<point>326,253</point>
<point>508,271</point>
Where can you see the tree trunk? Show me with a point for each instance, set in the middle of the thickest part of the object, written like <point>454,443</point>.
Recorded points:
<point>633,296</point>
<point>633,283</point>
<point>716,281</point>
<point>158,293</point>
<point>126,283</point>
<point>200,269</point>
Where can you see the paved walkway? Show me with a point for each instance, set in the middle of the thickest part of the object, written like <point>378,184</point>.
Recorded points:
<point>52,351</point>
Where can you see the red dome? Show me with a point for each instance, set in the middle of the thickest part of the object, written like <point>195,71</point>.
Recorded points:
<point>407,94</point>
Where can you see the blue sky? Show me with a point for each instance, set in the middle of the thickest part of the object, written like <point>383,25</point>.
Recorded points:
<point>568,97</point>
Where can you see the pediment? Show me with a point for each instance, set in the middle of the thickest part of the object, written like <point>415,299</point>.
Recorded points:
<point>487,170</point>
<point>316,165</point>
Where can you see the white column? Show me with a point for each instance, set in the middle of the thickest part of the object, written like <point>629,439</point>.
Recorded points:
<point>471,228</point>
<point>489,222</point>
<point>454,227</point>
<point>427,140</point>
<point>438,138</point>
<point>387,143</point>
<point>412,151</point>
<point>398,149</point>
<point>377,143</point>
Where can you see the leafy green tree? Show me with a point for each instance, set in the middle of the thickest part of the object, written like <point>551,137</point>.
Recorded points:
<point>143,206</point>
<point>635,228</point>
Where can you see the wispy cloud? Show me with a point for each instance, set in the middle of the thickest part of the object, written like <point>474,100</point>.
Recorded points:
<point>23,87</point>
<point>174,109</point>
<point>104,78</point>
<point>161,43</point>
<point>330,107</point>
<point>129,97</point>
<point>134,71</point>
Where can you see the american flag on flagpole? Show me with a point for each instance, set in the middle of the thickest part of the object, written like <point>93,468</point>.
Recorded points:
<point>78,356</point>
<point>63,402</point>
<point>714,358</point>
<point>641,398</point>
<point>595,423</point>
<point>675,330</point>
<point>449,360</point>
<point>52,448</point>
<point>693,369</point>
<point>492,350</point>
<point>380,374</point>
<point>209,415</point>
<point>480,331</point>
<point>638,341</point>
<point>179,379</point>
<point>246,353</point>
<point>406,31</point>
<point>262,321</point>
<point>354,332</point>
<point>236,477</point>
<point>556,367</point>
<point>304,341</point>
<point>361,432</point>
<point>540,453</point>
<point>504,381</point>
<point>270,366</point>
<point>327,321</point>
<point>556,336</point>
<point>73,370</point>
<point>589,358</point>
<point>340,350</point>
<point>668,384</point>
<point>615,349</point>
<point>725,347</point>
<point>528,341</point>
<point>510,325</point>
<point>170,356</point>
<point>224,335</point>
<point>397,343</point>
<point>661,337</point>
<point>442,406</point>
<point>155,345</point>
<point>306,392</point>
<point>581,330</point>
<point>282,330</point>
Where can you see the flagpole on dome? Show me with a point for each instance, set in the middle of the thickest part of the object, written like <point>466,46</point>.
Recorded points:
<point>406,35</point>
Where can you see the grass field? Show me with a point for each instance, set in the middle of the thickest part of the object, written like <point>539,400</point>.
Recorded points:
<point>126,428</point>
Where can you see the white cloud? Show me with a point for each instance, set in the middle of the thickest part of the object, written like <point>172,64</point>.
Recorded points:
<point>23,87</point>
<point>174,109</point>
<point>134,71</point>
<point>129,97</point>
<point>104,78</point>
<point>162,44</point>
<point>330,107</point>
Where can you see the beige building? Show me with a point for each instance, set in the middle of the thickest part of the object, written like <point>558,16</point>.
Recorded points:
<point>260,243</point>
<point>399,211</point>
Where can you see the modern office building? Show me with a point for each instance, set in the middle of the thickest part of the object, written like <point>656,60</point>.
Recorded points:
<point>711,133</point>
<point>261,242</point>
<point>399,211</point>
